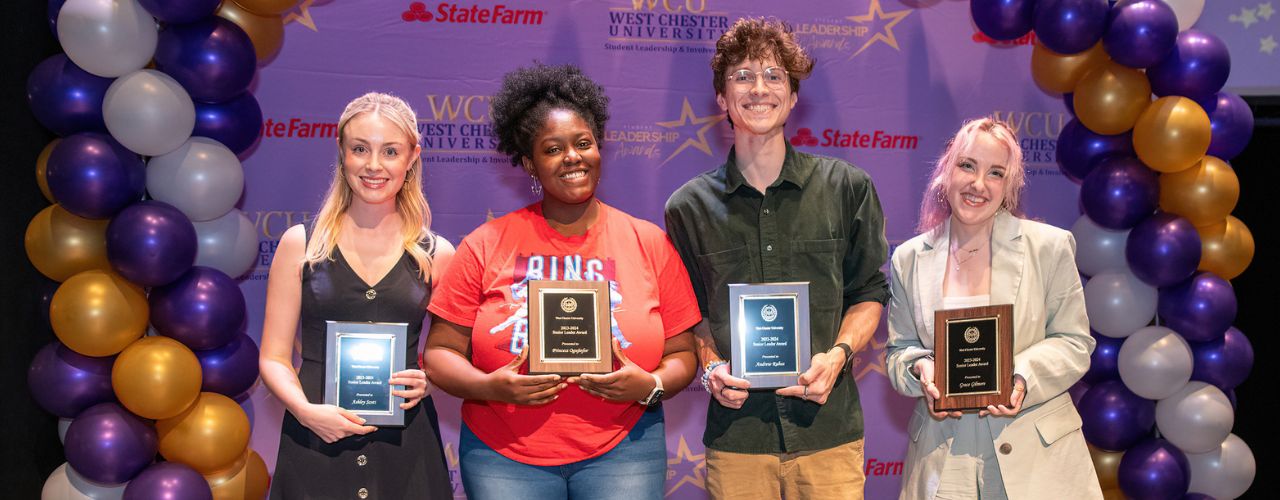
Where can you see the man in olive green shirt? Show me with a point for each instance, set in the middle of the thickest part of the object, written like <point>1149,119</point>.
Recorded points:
<point>771,214</point>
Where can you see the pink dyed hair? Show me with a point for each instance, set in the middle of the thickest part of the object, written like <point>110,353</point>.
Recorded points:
<point>934,208</point>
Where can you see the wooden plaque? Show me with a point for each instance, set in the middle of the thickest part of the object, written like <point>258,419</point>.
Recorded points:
<point>569,327</point>
<point>973,349</point>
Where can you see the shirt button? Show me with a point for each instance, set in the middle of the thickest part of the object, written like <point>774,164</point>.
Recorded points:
<point>1006,449</point>
<point>362,460</point>
<point>768,248</point>
<point>371,294</point>
<point>362,492</point>
<point>766,211</point>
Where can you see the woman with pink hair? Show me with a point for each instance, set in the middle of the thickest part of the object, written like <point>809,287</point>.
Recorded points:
<point>976,249</point>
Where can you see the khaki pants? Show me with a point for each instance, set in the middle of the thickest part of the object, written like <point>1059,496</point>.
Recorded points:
<point>833,473</point>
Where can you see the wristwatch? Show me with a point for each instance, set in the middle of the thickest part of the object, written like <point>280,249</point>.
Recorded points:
<point>654,397</point>
<point>848,354</point>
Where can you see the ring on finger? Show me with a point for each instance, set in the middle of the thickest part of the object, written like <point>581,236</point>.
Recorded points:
<point>805,396</point>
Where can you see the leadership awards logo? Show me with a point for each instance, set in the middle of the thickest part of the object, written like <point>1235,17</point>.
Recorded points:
<point>673,26</point>
<point>852,34</point>
<point>854,139</point>
<point>663,141</point>
<point>458,13</point>
<point>456,130</point>
<point>1038,135</point>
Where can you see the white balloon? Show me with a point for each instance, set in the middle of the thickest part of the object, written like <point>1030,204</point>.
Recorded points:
<point>1098,249</point>
<point>1187,11</point>
<point>67,484</point>
<point>1119,303</point>
<point>1155,362</point>
<point>1196,418</point>
<point>228,243</point>
<point>149,112</point>
<point>1225,472</point>
<point>202,178</point>
<point>108,38</point>
<point>63,425</point>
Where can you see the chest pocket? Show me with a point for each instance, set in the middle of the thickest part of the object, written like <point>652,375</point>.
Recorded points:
<point>818,262</point>
<point>719,269</point>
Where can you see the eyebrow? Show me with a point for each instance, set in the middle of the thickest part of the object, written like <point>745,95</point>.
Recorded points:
<point>971,160</point>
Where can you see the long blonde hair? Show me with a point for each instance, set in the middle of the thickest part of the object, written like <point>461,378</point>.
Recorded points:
<point>411,203</point>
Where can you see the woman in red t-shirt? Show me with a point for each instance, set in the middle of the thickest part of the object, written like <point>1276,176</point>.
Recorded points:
<point>543,436</point>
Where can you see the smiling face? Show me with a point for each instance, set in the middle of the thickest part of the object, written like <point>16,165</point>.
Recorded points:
<point>757,108</point>
<point>565,158</point>
<point>376,156</point>
<point>978,181</point>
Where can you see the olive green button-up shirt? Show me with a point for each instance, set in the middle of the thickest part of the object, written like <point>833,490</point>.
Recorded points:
<point>819,222</point>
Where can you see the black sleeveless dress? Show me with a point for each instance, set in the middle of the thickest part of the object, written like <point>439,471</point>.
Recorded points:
<point>390,463</point>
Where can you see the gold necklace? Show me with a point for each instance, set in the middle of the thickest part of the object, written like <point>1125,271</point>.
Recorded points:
<point>971,252</point>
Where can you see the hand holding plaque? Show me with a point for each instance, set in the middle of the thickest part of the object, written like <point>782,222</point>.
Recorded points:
<point>974,351</point>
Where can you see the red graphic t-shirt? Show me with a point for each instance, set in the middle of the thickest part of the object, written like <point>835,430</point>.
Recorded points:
<point>486,289</point>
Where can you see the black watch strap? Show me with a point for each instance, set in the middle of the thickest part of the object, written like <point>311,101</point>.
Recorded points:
<point>848,354</point>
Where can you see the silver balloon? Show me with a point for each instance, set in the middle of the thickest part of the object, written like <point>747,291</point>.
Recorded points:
<point>149,112</point>
<point>1225,472</point>
<point>1155,362</point>
<point>1196,418</point>
<point>228,243</point>
<point>67,484</point>
<point>1119,303</point>
<point>1098,249</point>
<point>63,425</point>
<point>108,38</point>
<point>202,178</point>
<point>1187,12</point>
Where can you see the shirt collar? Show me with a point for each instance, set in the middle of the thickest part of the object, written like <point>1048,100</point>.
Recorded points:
<point>795,170</point>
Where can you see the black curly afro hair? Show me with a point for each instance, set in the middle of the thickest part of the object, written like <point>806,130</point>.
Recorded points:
<point>529,94</point>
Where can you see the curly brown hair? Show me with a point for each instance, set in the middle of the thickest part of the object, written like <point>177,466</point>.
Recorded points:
<point>759,38</point>
<point>528,94</point>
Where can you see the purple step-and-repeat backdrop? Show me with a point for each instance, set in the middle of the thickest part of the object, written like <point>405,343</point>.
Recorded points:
<point>894,79</point>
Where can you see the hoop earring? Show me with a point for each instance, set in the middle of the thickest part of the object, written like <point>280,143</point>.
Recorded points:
<point>535,187</point>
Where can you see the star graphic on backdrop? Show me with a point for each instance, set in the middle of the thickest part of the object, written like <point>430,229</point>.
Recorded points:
<point>1246,17</point>
<point>303,15</point>
<point>1265,10</point>
<point>1268,44</point>
<point>884,32</point>
<point>689,468</point>
<point>871,358</point>
<point>693,128</point>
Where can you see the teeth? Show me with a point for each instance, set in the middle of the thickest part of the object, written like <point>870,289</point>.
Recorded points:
<point>760,108</point>
<point>574,175</point>
<point>373,182</point>
<point>974,199</point>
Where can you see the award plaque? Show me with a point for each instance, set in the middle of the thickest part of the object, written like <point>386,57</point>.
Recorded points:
<point>973,349</point>
<point>569,327</point>
<point>361,359</point>
<point>769,333</point>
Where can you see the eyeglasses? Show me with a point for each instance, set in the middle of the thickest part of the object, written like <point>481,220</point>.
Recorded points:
<point>744,79</point>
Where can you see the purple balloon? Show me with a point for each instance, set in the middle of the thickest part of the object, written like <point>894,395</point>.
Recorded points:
<point>234,123</point>
<point>1200,308</point>
<point>65,98</point>
<point>1154,469</point>
<point>1103,362</point>
<point>1163,249</point>
<point>151,243</point>
<point>107,444</point>
<point>1197,67</point>
<point>1120,192</point>
<point>1003,19</point>
<point>203,309</point>
<point>1068,99</point>
<point>1224,363</point>
<point>45,288</point>
<point>65,382</point>
<point>1081,149</point>
<point>1232,123</point>
<point>168,481</point>
<point>1070,26</point>
<point>1114,417</point>
<point>180,11</point>
<point>1077,391</point>
<point>230,370</point>
<point>55,6</point>
<point>213,59</point>
<point>93,176</point>
<point>1141,33</point>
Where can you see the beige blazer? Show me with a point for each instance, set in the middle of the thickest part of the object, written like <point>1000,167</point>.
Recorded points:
<point>1033,267</point>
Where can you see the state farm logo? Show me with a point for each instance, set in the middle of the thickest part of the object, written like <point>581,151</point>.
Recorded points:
<point>1027,39</point>
<point>448,12</point>
<point>854,139</point>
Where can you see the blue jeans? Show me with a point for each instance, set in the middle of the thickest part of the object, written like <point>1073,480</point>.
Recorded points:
<point>634,469</point>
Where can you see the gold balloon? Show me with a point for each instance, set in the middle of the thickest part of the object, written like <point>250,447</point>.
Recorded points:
<point>42,168</point>
<point>1171,134</point>
<point>208,437</point>
<point>1059,73</point>
<point>248,480</point>
<point>266,32</point>
<point>1107,463</point>
<point>156,377</point>
<point>267,7</point>
<point>97,313</point>
<point>61,244</point>
<point>1226,248</point>
<point>1110,97</point>
<point>1204,193</point>
<point>1113,494</point>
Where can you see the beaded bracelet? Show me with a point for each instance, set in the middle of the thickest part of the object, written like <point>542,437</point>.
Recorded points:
<point>706,373</point>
